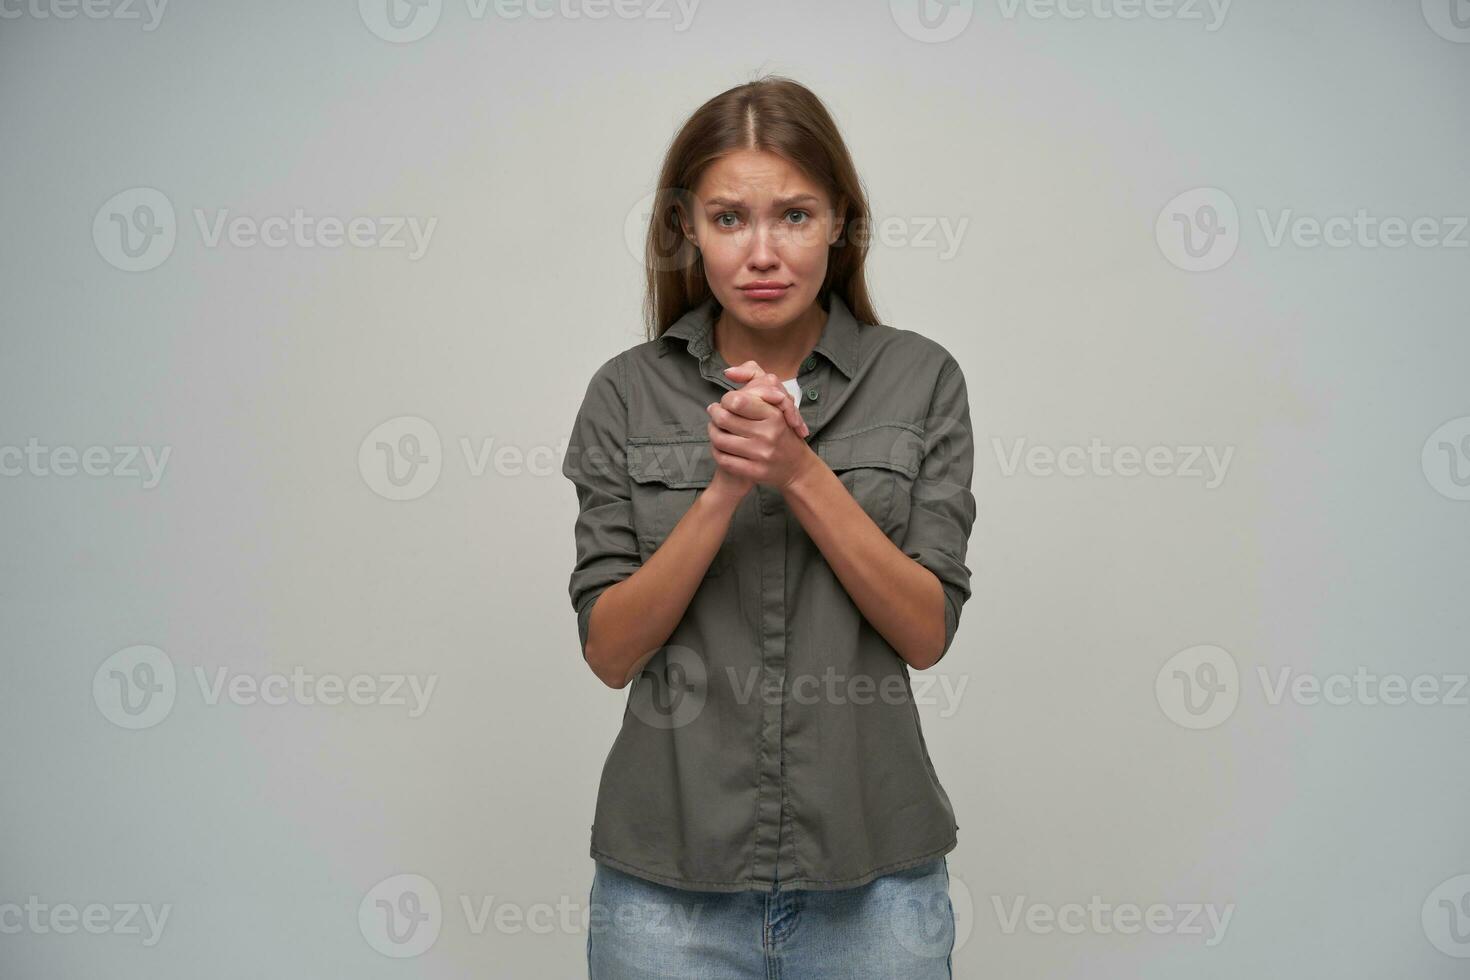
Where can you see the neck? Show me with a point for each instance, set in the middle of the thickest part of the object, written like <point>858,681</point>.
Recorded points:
<point>779,350</point>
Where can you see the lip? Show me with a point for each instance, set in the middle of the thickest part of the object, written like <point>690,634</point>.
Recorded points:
<point>765,289</point>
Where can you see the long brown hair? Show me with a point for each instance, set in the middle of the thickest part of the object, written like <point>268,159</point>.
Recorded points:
<point>771,113</point>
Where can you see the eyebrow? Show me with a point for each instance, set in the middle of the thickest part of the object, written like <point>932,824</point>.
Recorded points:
<point>785,202</point>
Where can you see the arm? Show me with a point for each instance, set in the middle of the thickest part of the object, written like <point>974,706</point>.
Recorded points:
<point>902,599</point>
<point>627,608</point>
<point>632,619</point>
<point>911,594</point>
<point>942,505</point>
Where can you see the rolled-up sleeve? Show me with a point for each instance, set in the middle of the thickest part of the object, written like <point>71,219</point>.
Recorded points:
<point>595,462</point>
<point>943,508</point>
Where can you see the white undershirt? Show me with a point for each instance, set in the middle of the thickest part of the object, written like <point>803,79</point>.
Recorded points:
<point>795,389</point>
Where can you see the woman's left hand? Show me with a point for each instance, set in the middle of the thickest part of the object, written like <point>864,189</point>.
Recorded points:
<point>752,438</point>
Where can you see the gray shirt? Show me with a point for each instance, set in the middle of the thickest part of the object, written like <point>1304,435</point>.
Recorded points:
<point>774,736</point>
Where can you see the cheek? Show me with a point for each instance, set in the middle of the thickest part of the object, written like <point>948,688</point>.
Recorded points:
<point>809,262</point>
<point>722,260</point>
<point>807,250</point>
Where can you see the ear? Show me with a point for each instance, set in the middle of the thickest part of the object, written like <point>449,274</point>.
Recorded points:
<point>682,221</point>
<point>839,219</point>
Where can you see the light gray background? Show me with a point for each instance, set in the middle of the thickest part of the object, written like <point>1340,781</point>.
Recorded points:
<point>1325,829</point>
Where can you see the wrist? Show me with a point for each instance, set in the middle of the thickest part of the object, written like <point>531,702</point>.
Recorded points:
<point>719,499</point>
<point>807,473</point>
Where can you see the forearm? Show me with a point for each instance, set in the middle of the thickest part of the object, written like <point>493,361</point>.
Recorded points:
<point>632,619</point>
<point>902,599</point>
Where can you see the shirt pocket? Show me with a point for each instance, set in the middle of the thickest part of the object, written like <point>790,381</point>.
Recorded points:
<point>668,472</point>
<point>877,464</point>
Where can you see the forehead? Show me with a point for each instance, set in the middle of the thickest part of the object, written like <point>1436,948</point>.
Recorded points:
<point>755,176</point>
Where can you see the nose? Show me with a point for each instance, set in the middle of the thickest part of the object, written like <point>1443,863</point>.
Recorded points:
<point>763,248</point>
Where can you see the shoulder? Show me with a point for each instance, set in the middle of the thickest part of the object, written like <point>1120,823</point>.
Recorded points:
<point>901,352</point>
<point>623,374</point>
<point>629,361</point>
<point>644,354</point>
<point>607,387</point>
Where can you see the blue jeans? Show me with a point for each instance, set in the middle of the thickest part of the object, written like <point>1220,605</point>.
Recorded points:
<point>897,927</point>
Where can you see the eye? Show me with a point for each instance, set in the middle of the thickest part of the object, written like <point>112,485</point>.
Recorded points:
<point>725,214</point>
<point>796,211</point>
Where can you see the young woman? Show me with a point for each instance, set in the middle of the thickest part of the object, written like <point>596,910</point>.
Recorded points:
<point>775,505</point>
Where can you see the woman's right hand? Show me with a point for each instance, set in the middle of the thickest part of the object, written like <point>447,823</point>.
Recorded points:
<point>750,372</point>
<point>769,388</point>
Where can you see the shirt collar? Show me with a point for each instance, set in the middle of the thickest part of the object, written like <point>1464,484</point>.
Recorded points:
<point>839,340</point>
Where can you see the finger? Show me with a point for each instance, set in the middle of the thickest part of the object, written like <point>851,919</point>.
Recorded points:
<point>796,422</point>
<point>749,372</point>
<point>776,393</point>
<point>727,421</point>
<point>748,403</point>
<point>788,405</point>
<point>781,398</point>
<point>745,371</point>
<point>728,443</point>
<point>757,435</point>
<point>734,464</point>
<point>742,425</point>
<point>774,396</point>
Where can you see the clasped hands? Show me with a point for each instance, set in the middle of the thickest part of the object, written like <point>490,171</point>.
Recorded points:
<point>756,433</point>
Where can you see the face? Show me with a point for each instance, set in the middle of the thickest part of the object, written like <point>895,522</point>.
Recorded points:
<point>764,230</point>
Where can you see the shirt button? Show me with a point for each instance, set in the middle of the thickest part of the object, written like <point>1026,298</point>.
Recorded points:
<point>811,393</point>
<point>809,363</point>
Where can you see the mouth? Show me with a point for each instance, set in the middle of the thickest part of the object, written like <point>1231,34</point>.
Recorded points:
<point>765,290</point>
